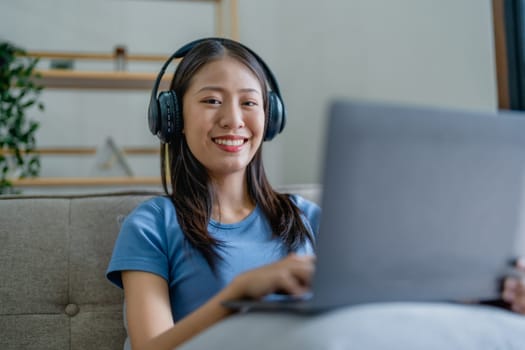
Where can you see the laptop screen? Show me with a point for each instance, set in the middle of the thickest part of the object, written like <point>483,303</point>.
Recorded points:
<point>419,203</point>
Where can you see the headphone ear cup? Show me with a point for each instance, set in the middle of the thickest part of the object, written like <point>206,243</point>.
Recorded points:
<point>276,116</point>
<point>170,119</point>
<point>153,116</point>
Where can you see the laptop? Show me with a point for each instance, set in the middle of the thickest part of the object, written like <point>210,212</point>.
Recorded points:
<point>418,204</point>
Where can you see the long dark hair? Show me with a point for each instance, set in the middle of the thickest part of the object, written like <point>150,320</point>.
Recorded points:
<point>192,191</point>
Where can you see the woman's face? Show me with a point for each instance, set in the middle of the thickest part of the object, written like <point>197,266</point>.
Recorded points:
<point>224,116</point>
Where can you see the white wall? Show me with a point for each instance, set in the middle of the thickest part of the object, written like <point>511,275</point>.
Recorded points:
<point>433,52</point>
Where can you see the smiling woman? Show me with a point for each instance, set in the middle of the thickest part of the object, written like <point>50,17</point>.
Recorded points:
<point>221,231</point>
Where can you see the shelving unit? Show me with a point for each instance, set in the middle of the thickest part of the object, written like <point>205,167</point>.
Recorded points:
<point>62,79</point>
<point>81,79</point>
<point>114,80</point>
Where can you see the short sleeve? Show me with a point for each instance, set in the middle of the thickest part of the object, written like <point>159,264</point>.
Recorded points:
<point>141,244</point>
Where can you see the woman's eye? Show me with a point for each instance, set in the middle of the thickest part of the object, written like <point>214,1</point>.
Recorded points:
<point>211,101</point>
<point>250,103</point>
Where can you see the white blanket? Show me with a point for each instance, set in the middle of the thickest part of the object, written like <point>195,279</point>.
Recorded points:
<point>408,326</point>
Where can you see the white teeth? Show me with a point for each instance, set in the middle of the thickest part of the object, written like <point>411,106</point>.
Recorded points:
<point>229,142</point>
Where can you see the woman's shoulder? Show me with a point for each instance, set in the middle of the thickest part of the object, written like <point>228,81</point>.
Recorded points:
<point>153,222</point>
<point>156,204</point>
<point>305,205</point>
<point>152,210</point>
<point>143,241</point>
<point>310,211</point>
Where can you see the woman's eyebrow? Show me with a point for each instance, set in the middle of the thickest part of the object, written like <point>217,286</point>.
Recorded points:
<point>220,89</point>
<point>250,90</point>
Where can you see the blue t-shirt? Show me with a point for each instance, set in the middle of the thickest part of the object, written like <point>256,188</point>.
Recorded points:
<point>151,240</point>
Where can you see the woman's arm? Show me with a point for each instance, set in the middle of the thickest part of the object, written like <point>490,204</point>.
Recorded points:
<point>514,290</point>
<point>148,311</point>
<point>150,322</point>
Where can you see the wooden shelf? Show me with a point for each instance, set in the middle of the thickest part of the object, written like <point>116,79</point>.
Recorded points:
<point>86,181</point>
<point>93,56</point>
<point>60,79</point>
<point>82,151</point>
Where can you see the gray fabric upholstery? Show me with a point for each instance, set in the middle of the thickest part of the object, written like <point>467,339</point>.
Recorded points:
<point>54,251</point>
<point>53,255</point>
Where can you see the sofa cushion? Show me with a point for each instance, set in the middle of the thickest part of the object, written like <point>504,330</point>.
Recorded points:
<point>53,254</point>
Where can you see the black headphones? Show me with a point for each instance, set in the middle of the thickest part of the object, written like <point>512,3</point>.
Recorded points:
<point>165,113</point>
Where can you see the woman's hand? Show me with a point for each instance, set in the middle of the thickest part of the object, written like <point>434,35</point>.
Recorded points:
<point>291,275</point>
<point>514,290</point>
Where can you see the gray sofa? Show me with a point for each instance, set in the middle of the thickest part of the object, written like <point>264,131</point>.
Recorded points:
<point>53,293</point>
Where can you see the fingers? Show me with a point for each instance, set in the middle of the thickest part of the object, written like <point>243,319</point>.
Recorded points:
<point>305,258</point>
<point>291,275</point>
<point>296,274</point>
<point>514,289</point>
<point>291,285</point>
<point>514,294</point>
<point>520,264</point>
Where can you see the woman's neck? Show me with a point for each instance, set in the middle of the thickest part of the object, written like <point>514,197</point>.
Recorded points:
<point>232,201</point>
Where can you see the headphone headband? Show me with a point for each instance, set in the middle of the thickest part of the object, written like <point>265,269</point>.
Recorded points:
<point>269,75</point>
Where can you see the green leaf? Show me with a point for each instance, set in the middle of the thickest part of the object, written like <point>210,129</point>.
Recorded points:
<point>19,92</point>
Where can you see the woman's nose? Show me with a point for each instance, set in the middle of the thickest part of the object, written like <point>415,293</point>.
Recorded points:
<point>231,116</point>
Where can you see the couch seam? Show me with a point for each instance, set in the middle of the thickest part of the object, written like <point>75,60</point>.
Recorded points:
<point>32,313</point>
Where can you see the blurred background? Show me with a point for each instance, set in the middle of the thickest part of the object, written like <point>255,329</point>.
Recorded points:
<point>426,52</point>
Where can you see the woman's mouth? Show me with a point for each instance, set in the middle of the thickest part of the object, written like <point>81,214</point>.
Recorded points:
<point>229,142</point>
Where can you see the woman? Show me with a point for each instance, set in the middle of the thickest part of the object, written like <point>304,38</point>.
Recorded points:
<point>221,232</point>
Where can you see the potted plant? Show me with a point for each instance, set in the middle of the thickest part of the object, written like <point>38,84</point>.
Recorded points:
<point>19,93</point>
